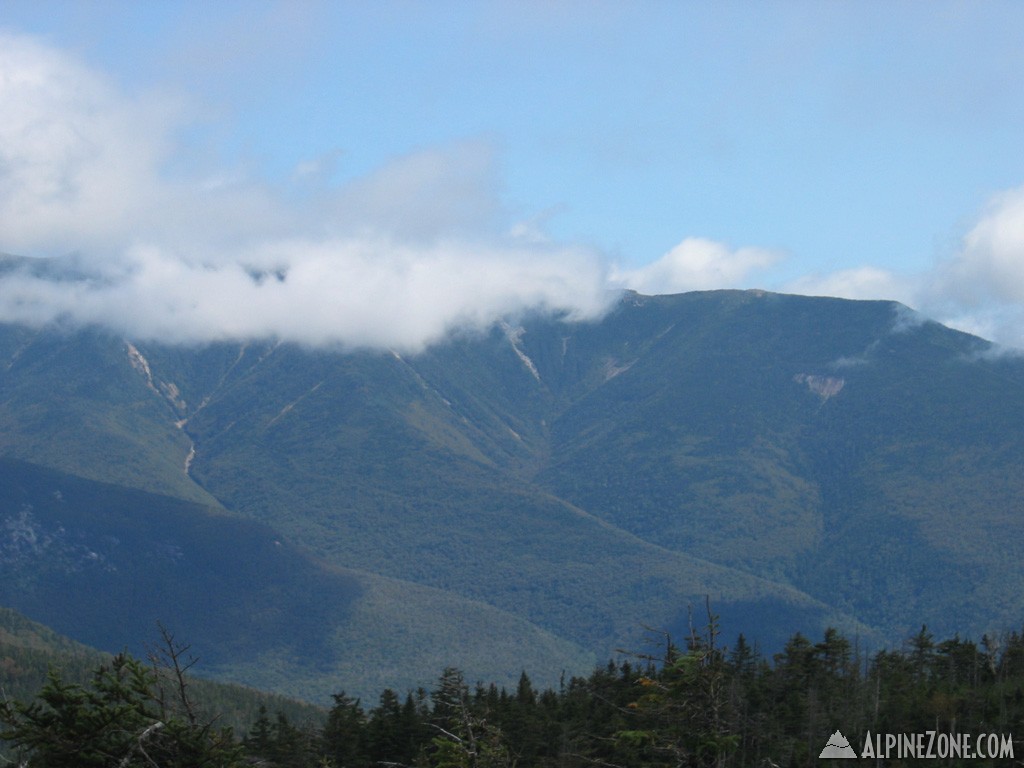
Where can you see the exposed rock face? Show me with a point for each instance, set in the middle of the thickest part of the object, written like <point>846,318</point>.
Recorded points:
<point>823,386</point>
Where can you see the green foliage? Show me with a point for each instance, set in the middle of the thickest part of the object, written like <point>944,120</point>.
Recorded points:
<point>465,738</point>
<point>30,653</point>
<point>696,705</point>
<point>119,719</point>
<point>686,707</point>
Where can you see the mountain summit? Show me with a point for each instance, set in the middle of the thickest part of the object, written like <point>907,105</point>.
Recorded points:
<point>551,486</point>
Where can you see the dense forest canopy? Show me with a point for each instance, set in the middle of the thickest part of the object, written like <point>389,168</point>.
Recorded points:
<point>698,703</point>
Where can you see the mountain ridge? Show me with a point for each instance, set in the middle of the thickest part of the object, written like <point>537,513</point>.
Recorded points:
<point>802,461</point>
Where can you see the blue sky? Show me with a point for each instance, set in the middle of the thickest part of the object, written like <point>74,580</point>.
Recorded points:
<point>543,152</point>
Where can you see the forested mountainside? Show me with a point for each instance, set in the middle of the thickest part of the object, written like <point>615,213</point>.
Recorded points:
<point>548,488</point>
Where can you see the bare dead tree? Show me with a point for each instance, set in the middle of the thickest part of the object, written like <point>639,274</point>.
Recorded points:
<point>170,661</point>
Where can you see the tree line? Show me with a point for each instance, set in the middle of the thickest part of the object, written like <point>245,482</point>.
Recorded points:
<point>692,703</point>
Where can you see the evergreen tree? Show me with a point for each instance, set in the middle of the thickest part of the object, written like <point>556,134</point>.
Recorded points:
<point>343,740</point>
<point>465,739</point>
<point>395,730</point>
<point>119,719</point>
<point>260,741</point>
<point>684,710</point>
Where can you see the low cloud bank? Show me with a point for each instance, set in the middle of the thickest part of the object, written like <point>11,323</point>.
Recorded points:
<point>346,293</point>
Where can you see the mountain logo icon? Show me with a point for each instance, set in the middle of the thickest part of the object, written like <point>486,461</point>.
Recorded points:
<point>837,748</point>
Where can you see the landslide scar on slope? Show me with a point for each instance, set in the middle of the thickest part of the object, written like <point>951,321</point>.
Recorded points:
<point>823,386</point>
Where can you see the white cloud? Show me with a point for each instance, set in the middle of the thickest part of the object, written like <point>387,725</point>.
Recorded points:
<point>857,283</point>
<point>74,155</point>
<point>84,166</point>
<point>351,293</point>
<point>978,289</point>
<point>425,195</point>
<point>990,265</point>
<point>178,251</point>
<point>169,240</point>
<point>697,264</point>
